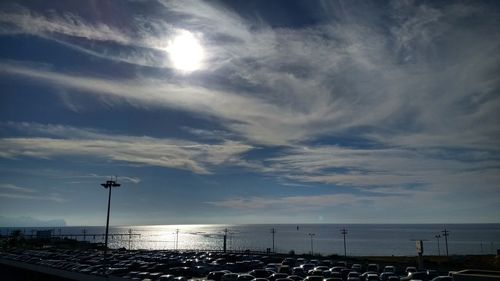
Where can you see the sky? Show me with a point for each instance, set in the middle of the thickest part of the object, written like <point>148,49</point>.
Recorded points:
<point>250,111</point>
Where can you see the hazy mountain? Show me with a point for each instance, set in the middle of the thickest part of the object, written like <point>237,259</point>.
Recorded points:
<point>24,221</point>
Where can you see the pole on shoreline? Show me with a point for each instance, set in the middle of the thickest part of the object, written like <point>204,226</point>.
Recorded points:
<point>109,185</point>
<point>129,238</point>
<point>273,231</point>
<point>439,248</point>
<point>225,240</point>
<point>177,239</point>
<point>343,231</point>
<point>312,249</point>
<point>446,233</point>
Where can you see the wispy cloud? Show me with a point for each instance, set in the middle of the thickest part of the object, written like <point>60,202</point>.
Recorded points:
<point>171,153</point>
<point>93,177</point>
<point>292,202</point>
<point>298,84</point>
<point>13,191</point>
<point>12,187</point>
<point>22,20</point>
<point>55,197</point>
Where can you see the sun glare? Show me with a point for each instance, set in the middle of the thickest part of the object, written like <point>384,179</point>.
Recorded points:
<point>185,52</point>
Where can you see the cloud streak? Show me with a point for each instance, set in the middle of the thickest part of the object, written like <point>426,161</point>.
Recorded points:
<point>13,191</point>
<point>169,153</point>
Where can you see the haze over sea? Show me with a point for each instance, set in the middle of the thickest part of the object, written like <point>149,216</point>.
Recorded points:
<point>362,239</point>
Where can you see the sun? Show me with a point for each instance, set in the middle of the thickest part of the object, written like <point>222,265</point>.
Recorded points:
<point>185,52</point>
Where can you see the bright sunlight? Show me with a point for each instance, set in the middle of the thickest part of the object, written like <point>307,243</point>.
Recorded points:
<point>185,51</point>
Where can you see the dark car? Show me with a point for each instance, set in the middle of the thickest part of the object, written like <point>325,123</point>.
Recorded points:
<point>275,276</point>
<point>419,275</point>
<point>314,278</point>
<point>260,273</point>
<point>385,275</point>
<point>216,275</point>
<point>245,277</point>
<point>295,278</point>
<point>443,278</point>
<point>373,267</point>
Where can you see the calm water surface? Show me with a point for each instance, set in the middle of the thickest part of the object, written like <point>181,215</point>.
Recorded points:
<point>362,239</point>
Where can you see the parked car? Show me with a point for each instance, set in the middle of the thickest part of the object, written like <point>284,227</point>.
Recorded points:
<point>373,267</point>
<point>229,277</point>
<point>275,276</point>
<point>419,275</point>
<point>365,275</point>
<point>443,278</point>
<point>260,273</point>
<point>410,269</point>
<point>298,271</point>
<point>384,276</point>
<point>390,268</point>
<point>216,275</point>
<point>245,277</point>
<point>357,267</point>
<point>295,277</point>
<point>314,278</point>
<point>372,277</point>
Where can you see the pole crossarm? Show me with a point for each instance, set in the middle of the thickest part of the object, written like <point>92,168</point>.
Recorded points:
<point>343,231</point>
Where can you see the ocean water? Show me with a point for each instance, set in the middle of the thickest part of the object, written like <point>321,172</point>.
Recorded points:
<point>361,239</point>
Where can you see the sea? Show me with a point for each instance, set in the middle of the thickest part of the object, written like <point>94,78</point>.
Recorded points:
<point>323,239</point>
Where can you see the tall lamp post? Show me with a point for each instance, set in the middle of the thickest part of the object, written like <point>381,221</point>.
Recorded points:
<point>312,251</point>
<point>273,231</point>
<point>343,231</point>
<point>446,233</point>
<point>108,184</point>
<point>439,248</point>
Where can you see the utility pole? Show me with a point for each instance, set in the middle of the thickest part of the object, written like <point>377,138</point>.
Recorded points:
<point>439,249</point>
<point>225,240</point>
<point>312,249</point>
<point>343,231</point>
<point>84,235</point>
<point>129,238</point>
<point>446,233</point>
<point>273,231</point>
<point>177,239</point>
<point>109,185</point>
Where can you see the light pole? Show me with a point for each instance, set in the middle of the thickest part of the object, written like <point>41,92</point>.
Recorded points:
<point>129,238</point>
<point>439,248</point>
<point>273,231</point>
<point>177,239</point>
<point>312,249</point>
<point>108,184</point>
<point>446,233</point>
<point>343,231</point>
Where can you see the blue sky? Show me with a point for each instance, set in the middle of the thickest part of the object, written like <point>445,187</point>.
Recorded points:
<point>286,111</point>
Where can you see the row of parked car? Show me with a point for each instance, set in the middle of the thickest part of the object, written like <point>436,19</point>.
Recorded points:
<point>183,266</point>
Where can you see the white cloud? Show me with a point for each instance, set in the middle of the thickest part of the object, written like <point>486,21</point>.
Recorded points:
<point>291,202</point>
<point>13,191</point>
<point>26,21</point>
<point>53,197</point>
<point>171,153</point>
<point>314,81</point>
<point>92,177</point>
<point>12,187</point>
<point>395,167</point>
